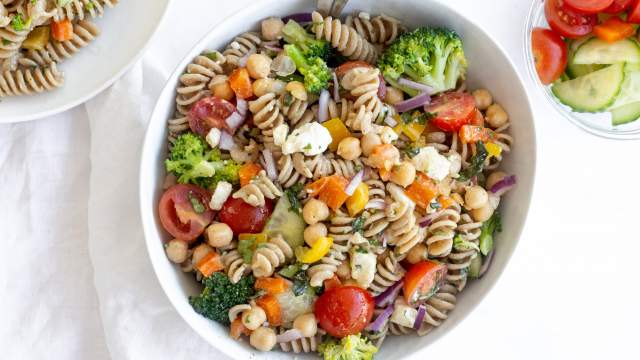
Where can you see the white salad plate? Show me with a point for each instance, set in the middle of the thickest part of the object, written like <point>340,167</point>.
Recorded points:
<point>125,32</point>
<point>489,67</point>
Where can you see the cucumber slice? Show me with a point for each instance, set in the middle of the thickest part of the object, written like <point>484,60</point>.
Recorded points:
<point>576,70</point>
<point>474,267</point>
<point>593,92</point>
<point>630,91</point>
<point>625,114</point>
<point>287,223</point>
<point>596,51</point>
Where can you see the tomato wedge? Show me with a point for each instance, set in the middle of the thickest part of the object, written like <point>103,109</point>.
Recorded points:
<point>208,113</point>
<point>423,280</point>
<point>614,29</point>
<point>452,110</point>
<point>344,310</point>
<point>184,211</point>
<point>550,54</point>
<point>566,21</point>
<point>618,6</point>
<point>589,6</point>
<point>244,218</point>
<point>634,13</point>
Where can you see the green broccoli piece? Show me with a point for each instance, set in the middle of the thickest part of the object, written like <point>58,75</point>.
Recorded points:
<point>352,347</point>
<point>488,229</point>
<point>219,295</point>
<point>310,46</point>
<point>430,56</point>
<point>315,71</point>
<point>192,161</point>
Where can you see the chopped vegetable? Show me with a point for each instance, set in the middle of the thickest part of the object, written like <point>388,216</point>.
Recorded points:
<point>310,46</point>
<point>359,199</point>
<point>352,347</point>
<point>445,201</point>
<point>314,69</point>
<point>211,263</point>
<point>423,280</point>
<point>338,131</point>
<point>18,23</point>
<point>472,134</point>
<point>290,271</point>
<point>489,228</point>
<point>240,83</point>
<point>248,243</point>
<point>273,286</point>
<point>247,172</point>
<point>613,29</point>
<point>319,249</point>
<point>476,164</point>
<point>271,307</point>
<point>384,156</point>
<point>219,295</point>
<point>292,194</point>
<point>38,38</point>
<point>412,129</point>
<point>422,191</point>
<point>330,190</point>
<point>493,149</point>
<point>62,30</point>
<point>237,328</point>
<point>333,282</point>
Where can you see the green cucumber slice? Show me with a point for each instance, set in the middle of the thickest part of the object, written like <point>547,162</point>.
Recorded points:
<point>576,70</point>
<point>630,91</point>
<point>593,92</point>
<point>596,51</point>
<point>625,114</point>
<point>475,266</point>
<point>287,223</point>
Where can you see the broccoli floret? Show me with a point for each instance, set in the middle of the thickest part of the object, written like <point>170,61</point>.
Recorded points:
<point>310,46</point>
<point>431,56</point>
<point>192,161</point>
<point>219,295</point>
<point>352,347</point>
<point>315,71</point>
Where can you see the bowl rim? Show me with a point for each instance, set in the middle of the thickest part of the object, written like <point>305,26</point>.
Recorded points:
<point>148,153</point>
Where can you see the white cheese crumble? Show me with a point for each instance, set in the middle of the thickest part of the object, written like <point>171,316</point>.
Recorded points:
<point>431,162</point>
<point>404,315</point>
<point>280,134</point>
<point>363,266</point>
<point>213,137</point>
<point>310,139</point>
<point>220,195</point>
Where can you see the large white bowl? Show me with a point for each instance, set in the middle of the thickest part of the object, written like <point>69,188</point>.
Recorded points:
<point>489,67</point>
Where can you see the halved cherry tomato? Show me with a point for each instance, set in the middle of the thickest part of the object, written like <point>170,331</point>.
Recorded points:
<point>452,110</point>
<point>549,53</point>
<point>589,6</point>
<point>423,280</point>
<point>344,310</point>
<point>210,112</point>
<point>618,6</point>
<point>634,13</point>
<point>613,29</point>
<point>342,69</point>
<point>478,119</point>
<point>184,211</point>
<point>566,21</point>
<point>244,218</point>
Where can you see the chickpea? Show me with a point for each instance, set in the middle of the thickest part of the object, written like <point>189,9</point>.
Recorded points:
<point>315,211</point>
<point>314,232</point>
<point>476,197</point>
<point>393,96</point>
<point>344,270</point>
<point>349,148</point>
<point>263,338</point>
<point>223,90</point>
<point>368,142</point>
<point>219,235</point>
<point>494,178</point>
<point>307,324</point>
<point>417,253</point>
<point>297,90</point>
<point>482,214</point>
<point>265,86</point>
<point>483,99</point>
<point>254,318</point>
<point>259,66</point>
<point>496,116</point>
<point>403,174</point>
<point>272,28</point>
<point>200,252</point>
<point>177,251</point>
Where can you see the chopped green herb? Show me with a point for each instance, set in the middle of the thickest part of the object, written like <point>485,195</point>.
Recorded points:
<point>19,24</point>
<point>358,224</point>
<point>290,271</point>
<point>476,164</point>
<point>245,248</point>
<point>461,244</point>
<point>292,77</point>
<point>435,205</point>
<point>361,250</point>
<point>411,151</point>
<point>416,117</point>
<point>5,41</point>
<point>292,195</point>
<point>213,55</point>
<point>307,147</point>
<point>198,207</point>
<point>489,228</point>
<point>288,99</point>
<point>300,283</point>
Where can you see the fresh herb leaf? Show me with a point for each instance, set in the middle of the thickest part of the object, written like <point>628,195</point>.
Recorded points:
<point>489,228</point>
<point>18,23</point>
<point>198,207</point>
<point>290,271</point>
<point>361,250</point>
<point>476,164</point>
<point>411,151</point>
<point>416,117</point>
<point>245,248</point>
<point>5,41</point>
<point>358,224</point>
<point>300,283</point>
<point>462,244</point>
<point>290,78</point>
<point>292,195</point>
<point>307,147</point>
<point>435,205</point>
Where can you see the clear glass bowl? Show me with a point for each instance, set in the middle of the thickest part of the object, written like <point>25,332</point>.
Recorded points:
<point>597,124</point>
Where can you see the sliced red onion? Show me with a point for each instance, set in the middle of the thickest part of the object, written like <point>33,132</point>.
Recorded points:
<point>226,141</point>
<point>377,204</point>
<point>273,48</point>
<point>298,17</point>
<point>486,263</point>
<point>242,62</point>
<point>234,121</point>
<point>507,183</point>
<point>336,87</point>
<point>389,296</point>
<point>382,88</point>
<point>422,311</point>
<point>427,220</point>
<point>385,239</point>
<point>413,103</point>
<point>416,85</point>
<point>381,320</point>
<point>389,120</point>
<point>323,106</point>
<point>242,106</point>
<point>270,164</point>
<point>357,179</point>
<point>289,335</point>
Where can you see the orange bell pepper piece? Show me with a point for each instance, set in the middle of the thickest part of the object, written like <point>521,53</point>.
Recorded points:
<point>422,191</point>
<point>330,190</point>
<point>210,263</point>
<point>247,172</point>
<point>445,201</point>
<point>240,83</point>
<point>62,30</point>
<point>614,29</point>
<point>273,286</point>
<point>472,134</point>
<point>271,307</point>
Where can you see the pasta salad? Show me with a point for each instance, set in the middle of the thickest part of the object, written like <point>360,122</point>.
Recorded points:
<point>332,182</point>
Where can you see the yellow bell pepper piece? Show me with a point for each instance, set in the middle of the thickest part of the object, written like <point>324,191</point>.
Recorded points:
<point>38,38</point>
<point>493,149</point>
<point>319,249</point>
<point>413,130</point>
<point>357,201</point>
<point>257,238</point>
<point>338,131</point>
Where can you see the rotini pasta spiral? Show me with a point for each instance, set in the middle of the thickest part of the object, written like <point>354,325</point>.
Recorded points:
<point>241,46</point>
<point>403,232</point>
<point>438,308</point>
<point>381,29</point>
<point>193,83</point>
<point>442,230</point>
<point>55,51</point>
<point>343,38</point>
<point>505,141</point>
<point>255,192</point>
<point>296,111</point>
<point>30,81</point>
<point>269,256</point>
<point>234,265</point>
<point>11,41</point>
<point>12,5</point>
<point>237,310</point>
<point>302,345</point>
<point>80,9</point>
<point>292,169</point>
<point>389,271</point>
<point>460,258</point>
<point>363,84</point>
<point>340,230</point>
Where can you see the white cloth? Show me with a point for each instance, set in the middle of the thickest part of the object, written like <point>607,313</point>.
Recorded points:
<point>76,282</point>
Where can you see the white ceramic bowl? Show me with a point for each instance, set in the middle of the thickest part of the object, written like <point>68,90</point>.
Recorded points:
<point>488,67</point>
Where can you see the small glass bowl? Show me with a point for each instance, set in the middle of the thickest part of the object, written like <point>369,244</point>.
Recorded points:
<point>597,124</point>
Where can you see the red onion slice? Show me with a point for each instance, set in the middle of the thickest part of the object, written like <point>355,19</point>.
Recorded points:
<point>323,106</point>
<point>486,263</point>
<point>381,320</point>
<point>234,121</point>
<point>377,204</point>
<point>382,88</point>
<point>422,311</point>
<point>242,106</point>
<point>389,296</point>
<point>336,87</point>
<point>507,183</point>
<point>273,48</point>
<point>416,85</point>
<point>389,120</point>
<point>357,179</point>
<point>427,220</point>
<point>413,103</point>
<point>242,62</point>
<point>289,335</point>
<point>270,164</point>
<point>226,141</point>
<point>298,17</point>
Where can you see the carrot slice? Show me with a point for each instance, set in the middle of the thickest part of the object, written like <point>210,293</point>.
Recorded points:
<point>247,172</point>
<point>422,191</point>
<point>240,83</point>
<point>330,190</point>
<point>62,30</point>
<point>237,329</point>
<point>209,264</point>
<point>271,307</point>
<point>273,286</point>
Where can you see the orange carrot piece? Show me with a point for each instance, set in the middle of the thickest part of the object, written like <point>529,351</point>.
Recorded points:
<point>209,264</point>
<point>271,307</point>
<point>240,83</point>
<point>330,190</point>
<point>422,190</point>
<point>237,329</point>
<point>445,201</point>
<point>247,172</point>
<point>62,30</point>
<point>273,286</point>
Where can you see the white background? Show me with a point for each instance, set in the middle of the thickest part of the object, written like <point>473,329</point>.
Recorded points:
<point>570,291</point>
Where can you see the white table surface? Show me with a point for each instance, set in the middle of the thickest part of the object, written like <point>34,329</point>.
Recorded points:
<point>570,291</point>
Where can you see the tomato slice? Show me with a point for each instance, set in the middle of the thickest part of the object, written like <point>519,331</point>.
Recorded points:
<point>244,218</point>
<point>452,110</point>
<point>618,6</point>
<point>343,311</point>
<point>589,6</point>
<point>342,69</point>
<point>208,113</point>
<point>550,54</point>
<point>423,280</point>
<point>634,13</point>
<point>184,211</point>
<point>566,21</point>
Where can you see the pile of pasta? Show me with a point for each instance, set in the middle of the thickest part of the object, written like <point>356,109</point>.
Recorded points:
<point>392,225</point>
<point>36,35</point>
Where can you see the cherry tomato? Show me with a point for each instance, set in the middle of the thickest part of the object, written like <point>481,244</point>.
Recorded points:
<point>452,110</point>
<point>618,6</point>
<point>478,118</point>
<point>210,112</point>
<point>423,280</point>
<point>342,69</point>
<point>244,218</point>
<point>550,54</point>
<point>589,6</point>
<point>345,310</point>
<point>184,211</point>
<point>634,13</point>
<point>566,21</point>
